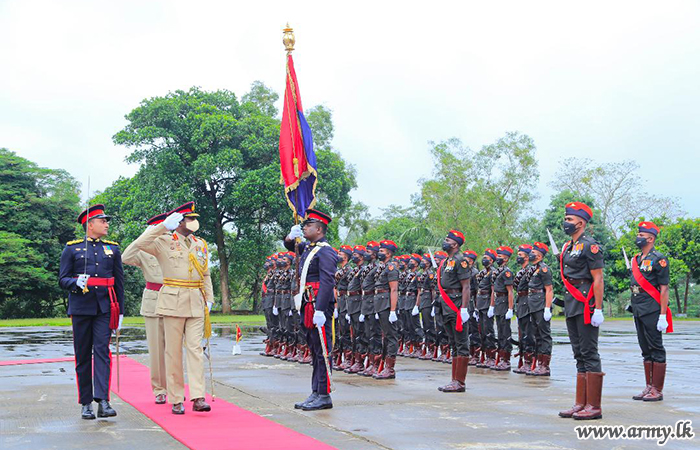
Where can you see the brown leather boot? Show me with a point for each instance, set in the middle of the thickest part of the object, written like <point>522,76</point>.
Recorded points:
<point>307,355</point>
<point>434,356</point>
<point>594,393</point>
<point>504,361</point>
<point>530,363</point>
<point>200,405</point>
<point>417,350</point>
<point>647,375</point>
<point>388,372</point>
<point>279,349</point>
<point>400,350</point>
<point>348,360</point>
<point>427,351</point>
<point>292,354</point>
<point>442,388</point>
<point>657,383</point>
<point>519,369</point>
<point>443,353</point>
<point>492,360</point>
<point>580,396</point>
<point>300,353</point>
<point>542,369</point>
<point>460,366</point>
<point>482,358</point>
<point>473,355</point>
<point>268,349</point>
<point>358,363</point>
<point>448,359</point>
<point>372,368</point>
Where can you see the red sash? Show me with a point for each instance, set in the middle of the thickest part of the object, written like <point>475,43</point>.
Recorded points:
<point>113,302</point>
<point>652,291</point>
<point>448,301</point>
<point>573,290</point>
<point>308,308</point>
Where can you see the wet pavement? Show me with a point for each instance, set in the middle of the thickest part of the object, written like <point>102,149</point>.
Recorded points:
<point>499,410</point>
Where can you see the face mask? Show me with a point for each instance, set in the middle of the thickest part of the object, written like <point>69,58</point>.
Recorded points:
<point>500,261</point>
<point>412,266</point>
<point>569,228</point>
<point>486,262</point>
<point>192,226</point>
<point>423,265</point>
<point>446,246</point>
<point>520,259</point>
<point>367,257</point>
<point>280,265</point>
<point>356,259</point>
<point>532,257</point>
<point>381,256</point>
<point>640,242</point>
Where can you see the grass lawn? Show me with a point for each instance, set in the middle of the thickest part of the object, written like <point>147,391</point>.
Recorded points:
<point>248,320</point>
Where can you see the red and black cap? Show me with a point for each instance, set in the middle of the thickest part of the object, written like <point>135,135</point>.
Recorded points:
<point>579,209</point>
<point>456,236</point>
<point>314,215</point>
<point>540,247</point>
<point>490,252</point>
<point>416,257</point>
<point>158,218</point>
<point>186,210</point>
<point>440,254</point>
<point>373,245</point>
<point>93,212</point>
<point>359,249</point>
<point>504,250</point>
<point>648,227</point>
<point>470,254</point>
<point>288,255</point>
<point>389,245</point>
<point>525,248</point>
<point>345,249</point>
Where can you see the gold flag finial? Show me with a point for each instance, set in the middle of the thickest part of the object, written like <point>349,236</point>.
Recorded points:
<point>288,39</point>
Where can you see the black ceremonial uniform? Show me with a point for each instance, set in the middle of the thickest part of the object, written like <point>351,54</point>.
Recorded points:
<point>451,272</point>
<point>655,269</point>
<point>354,303</point>
<point>90,312</point>
<point>483,301</point>
<point>526,340</point>
<point>373,332</point>
<point>343,342</point>
<point>386,272</point>
<point>501,278</point>
<point>542,334</point>
<point>426,284</point>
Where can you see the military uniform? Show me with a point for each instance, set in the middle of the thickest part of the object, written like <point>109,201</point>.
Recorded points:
<point>373,332</point>
<point>483,302</point>
<point>387,272</point>
<point>268,300</point>
<point>426,289</point>
<point>473,327</point>
<point>502,291</point>
<point>155,330</point>
<point>94,312</point>
<point>403,331</point>
<point>343,341</point>
<point>283,303</point>
<point>526,340</point>
<point>540,279</point>
<point>441,342</point>
<point>354,305</point>
<point>182,301</point>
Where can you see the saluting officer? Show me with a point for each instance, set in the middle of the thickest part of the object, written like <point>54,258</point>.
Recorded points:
<point>155,331</point>
<point>318,301</point>
<point>184,301</point>
<point>539,301</point>
<point>526,342</point>
<point>485,306</point>
<point>581,263</point>
<point>503,306</point>
<point>652,316</point>
<point>91,270</point>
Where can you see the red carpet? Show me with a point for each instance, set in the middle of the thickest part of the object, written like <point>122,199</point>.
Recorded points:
<point>16,362</point>
<point>226,427</point>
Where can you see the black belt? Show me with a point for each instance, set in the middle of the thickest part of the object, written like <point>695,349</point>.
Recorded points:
<point>501,294</point>
<point>484,291</point>
<point>579,281</point>
<point>381,291</point>
<point>342,292</point>
<point>412,293</point>
<point>453,291</point>
<point>535,291</point>
<point>367,292</point>
<point>351,293</point>
<point>522,293</point>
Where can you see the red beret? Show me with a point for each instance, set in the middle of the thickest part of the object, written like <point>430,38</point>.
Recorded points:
<point>579,209</point>
<point>649,227</point>
<point>389,245</point>
<point>491,253</point>
<point>470,254</point>
<point>346,249</point>
<point>504,250</point>
<point>540,247</point>
<point>372,245</point>
<point>527,248</point>
<point>456,236</point>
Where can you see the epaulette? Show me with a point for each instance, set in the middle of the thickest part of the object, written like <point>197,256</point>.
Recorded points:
<point>110,242</point>
<point>77,241</point>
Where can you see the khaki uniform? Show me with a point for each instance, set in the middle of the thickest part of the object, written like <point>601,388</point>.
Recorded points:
<point>181,302</point>
<point>155,330</point>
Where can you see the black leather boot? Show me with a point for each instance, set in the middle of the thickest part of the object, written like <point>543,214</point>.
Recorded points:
<point>104,409</point>
<point>320,402</point>
<point>87,413</point>
<point>309,399</point>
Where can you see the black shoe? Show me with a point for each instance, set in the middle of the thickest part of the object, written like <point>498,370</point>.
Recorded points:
<point>179,409</point>
<point>105,410</point>
<point>87,413</point>
<point>309,399</point>
<point>320,402</point>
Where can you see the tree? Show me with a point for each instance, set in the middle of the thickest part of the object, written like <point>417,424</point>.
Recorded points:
<point>38,208</point>
<point>680,242</point>
<point>616,188</point>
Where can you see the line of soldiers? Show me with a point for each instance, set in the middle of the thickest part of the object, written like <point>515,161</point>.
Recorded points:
<point>442,308</point>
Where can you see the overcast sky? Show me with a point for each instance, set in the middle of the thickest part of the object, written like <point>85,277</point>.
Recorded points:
<point>605,80</point>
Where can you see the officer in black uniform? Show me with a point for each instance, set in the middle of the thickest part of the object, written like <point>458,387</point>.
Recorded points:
<point>386,302</point>
<point>539,300</point>
<point>652,316</point>
<point>318,302</point>
<point>485,306</point>
<point>503,306</point>
<point>91,270</point>
<point>581,263</point>
<point>424,302</point>
<point>354,301</point>
<point>373,331</point>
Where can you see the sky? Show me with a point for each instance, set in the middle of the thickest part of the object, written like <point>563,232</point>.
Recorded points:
<point>604,80</point>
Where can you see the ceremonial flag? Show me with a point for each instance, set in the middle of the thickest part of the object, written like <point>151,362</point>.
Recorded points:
<point>297,157</point>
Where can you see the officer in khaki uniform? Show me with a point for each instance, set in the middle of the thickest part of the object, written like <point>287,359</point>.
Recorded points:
<point>184,300</point>
<point>155,332</point>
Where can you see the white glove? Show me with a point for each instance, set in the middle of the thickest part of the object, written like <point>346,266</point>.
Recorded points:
<point>275,311</point>
<point>414,311</point>
<point>209,305</point>
<point>347,317</point>
<point>662,324</point>
<point>376,316</point>
<point>82,281</point>
<point>121,319</point>
<point>548,314</point>
<point>597,319</point>
<point>361,318</point>
<point>295,232</point>
<point>432,312</point>
<point>319,319</point>
<point>290,313</point>
<point>464,314</point>
<point>509,314</point>
<point>335,313</point>
<point>476,316</point>
<point>393,317</point>
<point>490,312</point>
<point>173,220</point>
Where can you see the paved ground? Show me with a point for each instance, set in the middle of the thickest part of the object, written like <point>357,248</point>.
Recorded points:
<point>499,410</point>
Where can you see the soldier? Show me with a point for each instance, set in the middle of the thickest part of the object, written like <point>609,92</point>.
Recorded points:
<point>155,332</point>
<point>91,270</point>
<point>415,332</point>
<point>342,281</point>
<point>652,316</point>
<point>317,266</point>
<point>581,263</point>
<point>539,301</point>
<point>441,341</point>
<point>473,321</point>
<point>184,301</point>
<point>268,300</point>
<point>424,302</point>
<point>354,305</point>
<point>453,277</point>
<point>503,306</point>
<point>526,341</point>
<point>404,349</point>
<point>373,332</point>
<point>386,300</point>
<point>283,305</point>
<point>486,309</point>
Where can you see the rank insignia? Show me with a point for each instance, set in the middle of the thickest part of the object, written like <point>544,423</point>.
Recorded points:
<point>662,262</point>
<point>507,274</point>
<point>594,249</point>
<point>464,264</point>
